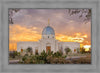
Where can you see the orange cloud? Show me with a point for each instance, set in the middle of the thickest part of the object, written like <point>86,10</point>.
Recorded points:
<point>12,46</point>
<point>77,34</point>
<point>21,33</point>
<point>85,36</point>
<point>77,37</point>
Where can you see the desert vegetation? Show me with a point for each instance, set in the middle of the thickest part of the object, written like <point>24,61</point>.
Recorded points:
<point>50,57</point>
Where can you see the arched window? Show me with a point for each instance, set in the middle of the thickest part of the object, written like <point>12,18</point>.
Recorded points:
<point>21,50</point>
<point>74,50</point>
<point>36,51</point>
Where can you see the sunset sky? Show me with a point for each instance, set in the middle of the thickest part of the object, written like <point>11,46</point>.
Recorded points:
<point>29,23</point>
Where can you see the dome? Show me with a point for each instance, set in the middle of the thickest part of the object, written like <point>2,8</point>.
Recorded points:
<point>48,31</point>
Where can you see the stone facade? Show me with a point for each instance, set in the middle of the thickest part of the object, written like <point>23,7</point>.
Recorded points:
<point>48,42</point>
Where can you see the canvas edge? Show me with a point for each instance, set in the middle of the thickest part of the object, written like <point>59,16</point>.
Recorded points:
<point>97,37</point>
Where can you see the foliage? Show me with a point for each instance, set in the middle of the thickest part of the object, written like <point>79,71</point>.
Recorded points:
<point>13,54</point>
<point>82,50</point>
<point>18,53</point>
<point>78,50</point>
<point>52,58</point>
<point>29,50</point>
<point>11,13</point>
<point>24,58</point>
<point>57,54</point>
<point>44,58</point>
<point>67,50</point>
<point>60,51</point>
<point>82,13</point>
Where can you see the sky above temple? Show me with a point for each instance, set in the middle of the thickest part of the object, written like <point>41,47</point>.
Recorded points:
<point>29,23</point>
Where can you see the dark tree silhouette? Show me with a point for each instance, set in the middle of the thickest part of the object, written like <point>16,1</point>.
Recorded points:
<point>11,13</point>
<point>82,13</point>
<point>67,50</point>
<point>29,49</point>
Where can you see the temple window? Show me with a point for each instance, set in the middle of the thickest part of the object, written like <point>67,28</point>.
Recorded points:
<point>21,50</point>
<point>36,51</point>
<point>74,50</point>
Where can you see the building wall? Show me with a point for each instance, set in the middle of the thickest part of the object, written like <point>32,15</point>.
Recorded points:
<point>55,45</point>
<point>25,45</point>
<point>72,45</point>
<point>48,36</point>
<point>48,42</point>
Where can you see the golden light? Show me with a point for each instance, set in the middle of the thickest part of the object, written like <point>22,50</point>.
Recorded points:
<point>77,34</point>
<point>85,36</point>
<point>81,45</point>
<point>87,47</point>
<point>22,33</point>
<point>76,39</point>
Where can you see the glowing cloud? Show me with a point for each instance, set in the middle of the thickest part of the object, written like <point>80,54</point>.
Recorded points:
<point>29,23</point>
<point>87,47</point>
<point>21,33</point>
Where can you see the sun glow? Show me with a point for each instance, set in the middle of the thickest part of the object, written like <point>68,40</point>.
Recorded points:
<point>29,23</point>
<point>87,47</point>
<point>19,33</point>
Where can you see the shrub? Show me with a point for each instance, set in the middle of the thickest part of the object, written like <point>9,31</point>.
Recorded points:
<point>29,50</point>
<point>13,54</point>
<point>78,50</point>
<point>24,58</point>
<point>26,55</point>
<point>60,51</point>
<point>49,59</point>
<point>53,58</point>
<point>82,50</point>
<point>57,54</point>
<point>67,50</point>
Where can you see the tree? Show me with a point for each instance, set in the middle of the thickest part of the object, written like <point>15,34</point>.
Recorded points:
<point>18,53</point>
<point>78,50</point>
<point>82,50</point>
<point>57,54</point>
<point>44,56</point>
<point>13,54</point>
<point>82,13</point>
<point>11,13</point>
<point>67,50</point>
<point>89,50</point>
<point>61,51</point>
<point>29,50</point>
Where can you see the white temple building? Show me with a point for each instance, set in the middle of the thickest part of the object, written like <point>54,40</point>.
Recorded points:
<point>48,42</point>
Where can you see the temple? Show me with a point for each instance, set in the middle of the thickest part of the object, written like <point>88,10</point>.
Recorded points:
<point>48,43</point>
